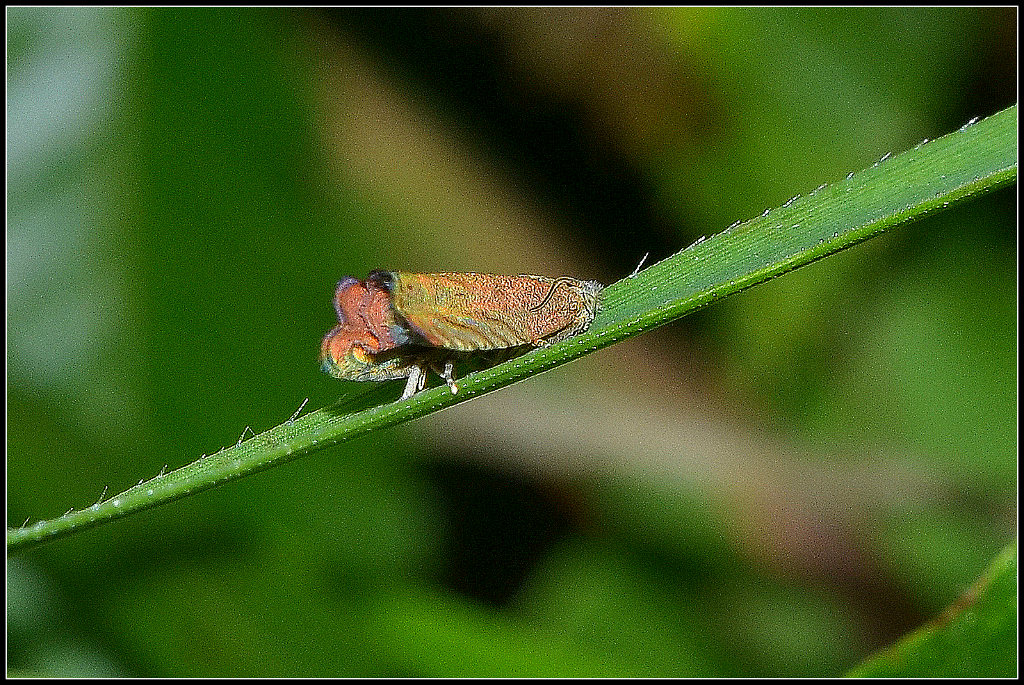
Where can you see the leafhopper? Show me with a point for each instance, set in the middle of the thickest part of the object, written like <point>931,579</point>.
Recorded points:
<point>397,324</point>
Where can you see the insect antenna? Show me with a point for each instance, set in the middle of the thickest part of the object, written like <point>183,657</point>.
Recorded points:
<point>554,285</point>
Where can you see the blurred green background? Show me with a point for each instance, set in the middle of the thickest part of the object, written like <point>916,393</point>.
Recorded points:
<point>775,486</point>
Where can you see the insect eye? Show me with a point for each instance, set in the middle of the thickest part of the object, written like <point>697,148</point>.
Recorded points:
<point>382,279</point>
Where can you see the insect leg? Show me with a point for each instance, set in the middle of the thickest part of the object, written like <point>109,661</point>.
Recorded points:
<point>417,379</point>
<point>449,376</point>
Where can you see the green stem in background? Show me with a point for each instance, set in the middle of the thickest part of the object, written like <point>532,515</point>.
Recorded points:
<point>974,638</point>
<point>897,190</point>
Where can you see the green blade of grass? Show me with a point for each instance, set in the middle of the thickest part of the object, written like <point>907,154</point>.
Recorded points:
<point>929,178</point>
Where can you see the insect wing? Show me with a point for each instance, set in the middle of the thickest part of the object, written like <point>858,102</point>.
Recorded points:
<point>485,311</point>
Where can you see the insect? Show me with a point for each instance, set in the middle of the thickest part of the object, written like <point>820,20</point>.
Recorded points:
<point>397,324</point>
